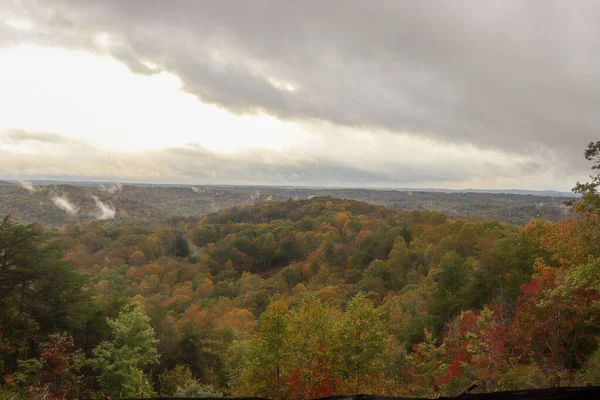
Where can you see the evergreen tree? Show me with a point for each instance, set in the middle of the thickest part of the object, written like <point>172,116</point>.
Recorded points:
<point>39,292</point>
<point>122,359</point>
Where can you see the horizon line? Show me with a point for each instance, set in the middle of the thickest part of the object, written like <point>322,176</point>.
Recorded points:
<point>287,186</point>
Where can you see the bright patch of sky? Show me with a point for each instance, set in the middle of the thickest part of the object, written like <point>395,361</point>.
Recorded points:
<point>102,101</point>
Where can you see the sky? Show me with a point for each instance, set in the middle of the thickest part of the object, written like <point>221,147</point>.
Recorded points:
<point>349,93</point>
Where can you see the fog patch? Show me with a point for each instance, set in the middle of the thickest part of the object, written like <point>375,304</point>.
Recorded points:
<point>106,211</point>
<point>112,189</point>
<point>28,186</point>
<point>64,204</point>
<point>255,196</point>
<point>565,211</point>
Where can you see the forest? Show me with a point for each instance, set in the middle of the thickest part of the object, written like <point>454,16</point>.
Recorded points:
<point>299,299</point>
<point>44,202</point>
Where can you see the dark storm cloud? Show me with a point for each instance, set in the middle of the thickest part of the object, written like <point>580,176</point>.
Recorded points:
<point>520,76</point>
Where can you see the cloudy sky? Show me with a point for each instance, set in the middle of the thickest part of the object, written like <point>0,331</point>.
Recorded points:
<point>369,93</point>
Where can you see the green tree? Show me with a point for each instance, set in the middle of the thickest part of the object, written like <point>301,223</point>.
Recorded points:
<point>454,274</point>
<point>39,293</point>
<point>27,376</point>
<point>179,382</point>
<point>122,359</point>
<point>591,372</point>
<point>362,338</point>
<point>137,258</point>
<point>174,378</point>
<point>182,248</point>
<point>270,352</point>
<point>589,190</point>
<point>449,298</point>
<point>204,234</point>
<point>429,366</point>
<point>195,389</point>
<point>238,366</point>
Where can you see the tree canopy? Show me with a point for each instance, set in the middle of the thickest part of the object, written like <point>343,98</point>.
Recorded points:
<point>299,299</point>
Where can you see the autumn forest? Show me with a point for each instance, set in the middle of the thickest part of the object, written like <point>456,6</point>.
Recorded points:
<point>300,299</point>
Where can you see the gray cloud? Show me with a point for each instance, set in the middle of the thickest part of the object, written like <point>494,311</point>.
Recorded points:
<point>195,164</point>
<point>530,167</point>
<point>520,76</point>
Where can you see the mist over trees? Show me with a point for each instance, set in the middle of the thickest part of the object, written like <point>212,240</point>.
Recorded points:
<point>56,205</point>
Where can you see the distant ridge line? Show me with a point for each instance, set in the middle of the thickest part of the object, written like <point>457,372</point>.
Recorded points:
<point>525,192</point>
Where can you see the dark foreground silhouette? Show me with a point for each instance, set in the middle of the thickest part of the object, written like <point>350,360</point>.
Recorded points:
<point>564,393</point>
